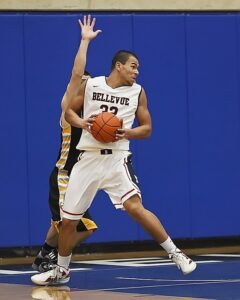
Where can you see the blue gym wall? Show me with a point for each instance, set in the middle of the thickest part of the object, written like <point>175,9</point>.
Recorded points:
<point>189,170</point>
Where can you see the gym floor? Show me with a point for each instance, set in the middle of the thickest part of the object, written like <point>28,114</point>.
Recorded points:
<point>152,277</point>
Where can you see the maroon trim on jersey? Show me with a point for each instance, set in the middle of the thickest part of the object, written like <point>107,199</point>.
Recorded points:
<point>126,169</point>
<point>130,172</point>
<point>72,214</point>
<point>128,193</point>
<point>139,98</point>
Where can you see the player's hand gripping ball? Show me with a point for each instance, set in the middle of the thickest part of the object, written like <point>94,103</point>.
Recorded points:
<point>105,126</point>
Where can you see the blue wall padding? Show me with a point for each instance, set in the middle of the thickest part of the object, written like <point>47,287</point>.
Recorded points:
<point>47,41</point>
<point>189,170</point>
<point>14,224</point>
<point>213,95</point>
<point>164,158</point>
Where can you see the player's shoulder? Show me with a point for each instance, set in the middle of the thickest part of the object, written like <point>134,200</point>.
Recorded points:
<point>96,81</point>
<point>137,87</point>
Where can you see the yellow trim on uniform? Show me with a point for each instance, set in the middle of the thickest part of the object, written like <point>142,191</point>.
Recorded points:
<point>89,224</point>
<point>65,147</point>
<point>55,225</point>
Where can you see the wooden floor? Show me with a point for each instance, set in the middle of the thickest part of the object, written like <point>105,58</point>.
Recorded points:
<point>26,292</point>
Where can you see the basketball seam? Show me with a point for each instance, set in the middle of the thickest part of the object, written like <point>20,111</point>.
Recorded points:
<point>101,128</point>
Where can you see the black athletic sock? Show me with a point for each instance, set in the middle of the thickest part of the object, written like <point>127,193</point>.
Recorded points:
<point>46,249</point>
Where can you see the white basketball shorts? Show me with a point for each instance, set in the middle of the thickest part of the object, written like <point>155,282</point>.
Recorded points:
<point>99,170</point>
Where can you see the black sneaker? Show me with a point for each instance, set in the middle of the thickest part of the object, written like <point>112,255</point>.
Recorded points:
<point>46,262</point>
<point>49,261</point>
<point>37,261</point>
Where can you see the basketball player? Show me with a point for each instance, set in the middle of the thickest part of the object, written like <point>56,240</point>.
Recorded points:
<point>108,166</point>
<point>67,158</point>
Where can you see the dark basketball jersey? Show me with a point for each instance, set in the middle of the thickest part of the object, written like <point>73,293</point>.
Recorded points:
<point>68,153</point>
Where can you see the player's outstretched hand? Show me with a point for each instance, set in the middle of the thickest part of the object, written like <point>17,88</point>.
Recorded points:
<point>87,28</point>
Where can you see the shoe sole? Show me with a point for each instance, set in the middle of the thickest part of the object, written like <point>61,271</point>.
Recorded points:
<point>63,281</point>
<point>60,282</point>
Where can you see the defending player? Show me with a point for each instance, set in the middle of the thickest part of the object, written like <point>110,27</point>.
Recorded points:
<point>68,155</point>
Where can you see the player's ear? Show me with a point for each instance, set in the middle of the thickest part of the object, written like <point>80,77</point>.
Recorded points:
<point>118,65</point>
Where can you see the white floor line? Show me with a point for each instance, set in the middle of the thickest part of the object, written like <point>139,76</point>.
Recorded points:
<point>221,255</point>
<point>177,280</point>
<point>169,285</point>
<point>141,264</point>
<point>13,272</point>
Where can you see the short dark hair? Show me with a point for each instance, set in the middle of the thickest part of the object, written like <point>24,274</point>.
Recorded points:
<point>86,73</point>
<point>122,56</point>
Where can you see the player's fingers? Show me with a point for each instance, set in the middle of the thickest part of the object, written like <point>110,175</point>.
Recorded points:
<point>93,115</point>
<point>121,121</point>
<point>120,131</point>
<point>93,22</point>
<point>119,136</point>
<point>89,20</point>
<point>91,120</point>
<point>80,23</point>
<point>84,20</point>
<point>89,124</point>
<point>98,31</point>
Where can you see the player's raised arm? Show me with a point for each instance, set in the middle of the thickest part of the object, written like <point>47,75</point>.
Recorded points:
<point>87,33</point>
<point>71,113</point>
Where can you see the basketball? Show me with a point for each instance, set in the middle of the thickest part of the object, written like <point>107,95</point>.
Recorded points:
<point>105,126</point>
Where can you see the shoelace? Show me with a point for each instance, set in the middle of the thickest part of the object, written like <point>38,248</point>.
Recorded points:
<point>181,256</point>
<point>57,273</point>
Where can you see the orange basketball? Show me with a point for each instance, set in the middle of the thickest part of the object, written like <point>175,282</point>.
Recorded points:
<point>105,126</point>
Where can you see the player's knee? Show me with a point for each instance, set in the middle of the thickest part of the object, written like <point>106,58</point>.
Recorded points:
<point>69,225</point>
<point>89,233</point>
<point>133,206</point>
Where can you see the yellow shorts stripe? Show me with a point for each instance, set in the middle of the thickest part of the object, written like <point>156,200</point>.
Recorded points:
<point>89,224</point>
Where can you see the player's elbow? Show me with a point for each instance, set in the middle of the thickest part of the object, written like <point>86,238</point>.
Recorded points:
<point>148,131</point>
<point>68,114</point>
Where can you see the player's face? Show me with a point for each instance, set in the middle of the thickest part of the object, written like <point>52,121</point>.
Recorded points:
<point>129,71</point>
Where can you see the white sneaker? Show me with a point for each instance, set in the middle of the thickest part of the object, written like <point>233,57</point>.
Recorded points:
<point>184,263</point>
<point>56,276</point>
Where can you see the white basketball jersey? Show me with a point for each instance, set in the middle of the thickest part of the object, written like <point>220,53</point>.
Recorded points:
<point>122,101</point>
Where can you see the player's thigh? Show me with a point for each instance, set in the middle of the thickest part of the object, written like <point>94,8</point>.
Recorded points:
<point>123,183</point>
<point>82,187</point>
